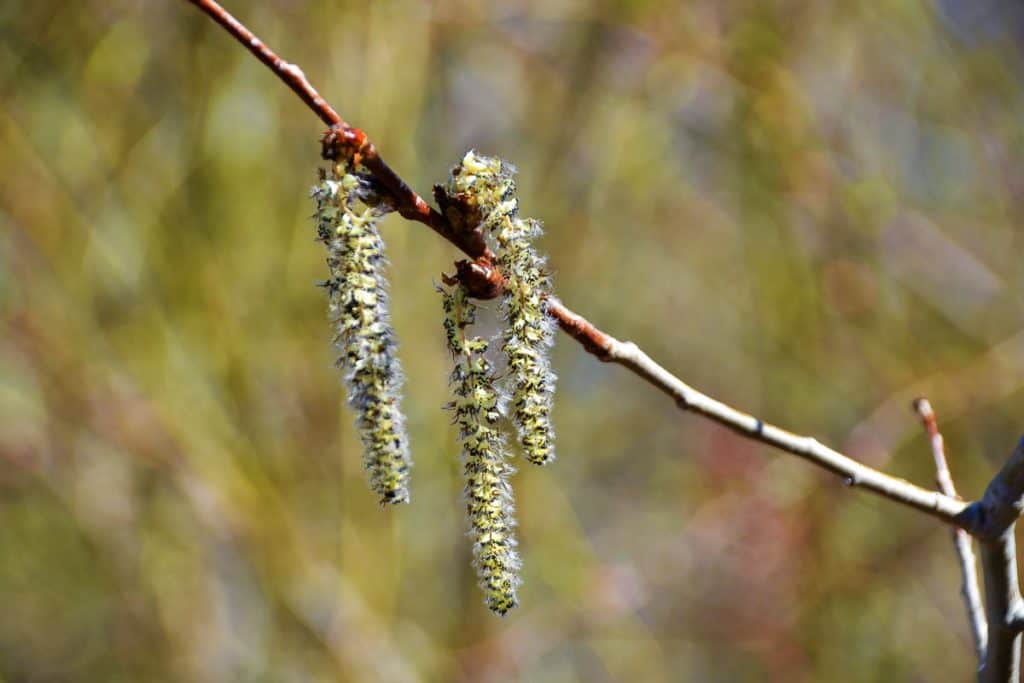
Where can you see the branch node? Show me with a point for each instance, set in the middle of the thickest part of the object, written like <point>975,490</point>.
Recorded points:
<point>1015,622</point>
<point>583,331</point>
<point>480,278</point>
<point>342,142</point>
<point>464,218</point>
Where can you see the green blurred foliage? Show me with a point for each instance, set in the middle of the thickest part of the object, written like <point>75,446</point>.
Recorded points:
<point>807,209</point>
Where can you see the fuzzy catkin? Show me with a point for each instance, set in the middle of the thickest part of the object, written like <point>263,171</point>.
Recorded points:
<point>487,184</point>
<point>364,338</point>
<point>489,503</point>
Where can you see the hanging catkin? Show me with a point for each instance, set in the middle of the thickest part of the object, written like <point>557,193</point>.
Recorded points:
<point>364,338</point>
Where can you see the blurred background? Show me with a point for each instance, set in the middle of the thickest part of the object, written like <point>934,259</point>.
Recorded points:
<point>808,210</point>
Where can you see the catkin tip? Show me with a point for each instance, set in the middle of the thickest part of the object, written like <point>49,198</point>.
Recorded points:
<point>489,505</point>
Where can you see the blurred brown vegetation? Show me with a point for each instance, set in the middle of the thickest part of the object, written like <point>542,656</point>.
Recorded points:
<point>807,209</point>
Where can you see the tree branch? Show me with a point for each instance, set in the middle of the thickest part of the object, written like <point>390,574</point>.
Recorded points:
<point>992,520</point>
<point>1003,609</point>
<point>933,503</point>
<point>291,74</point>
<point>343,139</point>
<point>969,588</point>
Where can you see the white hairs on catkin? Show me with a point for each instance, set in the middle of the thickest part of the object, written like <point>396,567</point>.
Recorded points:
<point>487,185</point>
<point>364,338</point>
<point>489,503</point>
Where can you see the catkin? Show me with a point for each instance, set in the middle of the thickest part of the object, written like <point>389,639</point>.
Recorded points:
<point>364,338</point>
<point>489,503</point>
<point>487,185</point>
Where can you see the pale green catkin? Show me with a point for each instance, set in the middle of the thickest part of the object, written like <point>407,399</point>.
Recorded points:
<point>487,184</point>
<point>364,338</point>
<point>489,504</point>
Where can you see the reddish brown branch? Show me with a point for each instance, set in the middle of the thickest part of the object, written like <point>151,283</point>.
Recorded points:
<point>345,141</point>
<point>480,276</point>
<point>582,330</point>
<point>289,73</point>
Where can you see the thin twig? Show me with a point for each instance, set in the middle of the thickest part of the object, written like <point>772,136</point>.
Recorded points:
<point>933,503</point>
<point>345,139</point>
<point>969,588</point>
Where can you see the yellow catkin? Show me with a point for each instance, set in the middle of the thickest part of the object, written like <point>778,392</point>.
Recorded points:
<point>487,185</point>
<point>364,338</point>
<point>488,494</point>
